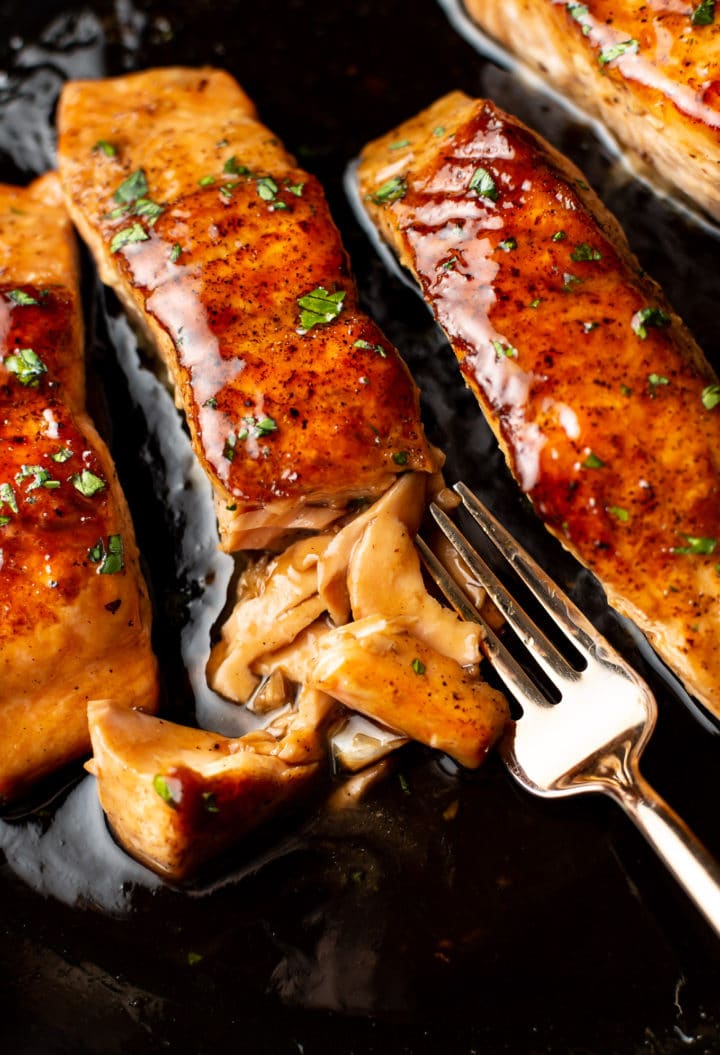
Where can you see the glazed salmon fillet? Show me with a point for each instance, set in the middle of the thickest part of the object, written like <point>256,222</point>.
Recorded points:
<point>651,72</point>
<point>225,254</point>
<point>74,612</point>
<point>606,410</point>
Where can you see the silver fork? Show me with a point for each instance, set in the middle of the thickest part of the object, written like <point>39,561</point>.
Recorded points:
<point>593,738</point>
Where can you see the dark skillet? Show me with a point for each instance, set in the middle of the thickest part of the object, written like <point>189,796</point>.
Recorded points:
<point>519,926</point>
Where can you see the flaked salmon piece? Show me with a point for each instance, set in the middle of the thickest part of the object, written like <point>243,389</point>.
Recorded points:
<point>650,72</point>
<point>74,613</point>
<point>225,254</point>
<point>176,796</point>
<point>605,407</point>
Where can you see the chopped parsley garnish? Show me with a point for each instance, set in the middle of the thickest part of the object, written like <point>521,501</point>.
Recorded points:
<point>418,666</point>
<point>508,245</point>
<point>26,365</point>
<point>109,558</point>
<point>127,236</point>
<point>148,208</point>
<point>536,303</point>
<point>267,188</point>
<point>233,168</point>
<point>103,147</point>
<point>211,806</point>
<point>255,427</point>
<point>613,52</point>
<point>400,457</point>
<point>483,184</point>
<point>504,350</point>
<point>19,297</point>
<point>399,144</point>
<point>62,455</point>
<point>295,188</point>
<point>449,265</point>
<point>211,402</point>
<point>360,343</point>
<point>4,521</point>
<point>165,789</point>
<point>40,477</point>
<point>320,307</point>
<point>229,448</point>
<point>704,13</point>
<point>579,12</point>
<point>646,317</point>
<point>570,282</point>
<point>175,253</point>
<point>439,130</point>
<point>7,498</point>
<point>588,327</point>
<point>392,190</point>
<point>134,187</point>
<point>87,483</point>
<point>593,462</point>
<point>559,236</point>
<point>619,513</point>
<point>583,251</point>
<point>696,546</point>
<point>206,181</point>
<point>656,381</point>
<point>625,390</point>
<point>710,396</point>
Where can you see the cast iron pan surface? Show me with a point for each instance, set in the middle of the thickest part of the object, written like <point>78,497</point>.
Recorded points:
<point>446,912</point>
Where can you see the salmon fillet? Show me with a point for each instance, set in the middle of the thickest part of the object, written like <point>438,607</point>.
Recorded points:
<point>225,254</point>
<point>74,612</point>
<point>650,72</point>
<point>606,410</point>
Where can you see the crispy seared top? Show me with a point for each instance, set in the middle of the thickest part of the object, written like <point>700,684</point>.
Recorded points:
<point>229,251</point>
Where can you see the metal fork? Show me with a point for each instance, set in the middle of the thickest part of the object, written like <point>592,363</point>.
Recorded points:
<point>593,738</point>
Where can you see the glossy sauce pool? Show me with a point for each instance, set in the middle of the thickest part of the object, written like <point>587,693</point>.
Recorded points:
<point>415,920</point>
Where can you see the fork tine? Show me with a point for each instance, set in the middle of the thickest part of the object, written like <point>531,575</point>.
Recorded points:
<point>566,615</point>
<point>552,662</point>
<point>512,674</point>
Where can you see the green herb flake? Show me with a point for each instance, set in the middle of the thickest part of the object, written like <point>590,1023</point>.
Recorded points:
<point>232,167</point>
<point>280,206</point>
<point>392,190</point>
<point>418,666</point>
<point>149,209</point>
<point>508,245</point>
<point>62,455</point>
<point>571,282</point>
<point>295,188</point>
<point>403,784</point>
<point>4,521</point>
<point>267,188</point>
<point>27,366</point>
<point>400,457</point>
<point>22,299</point>
<point>103,147</point>
<point>211,402</point>
<point>483,184</point>
<point>7,498</point>
<point>40,477</point>
<point>584,252</point>
<point>319,307</point>
<point>704,13</point>
<point>504,350</point>
<point>588,327</point>
<point>697,546</point>
<point>593,462</point>
<point>438,131</point>
<point>619,513</point>
<point>230,443</point>
<point>536,303</point>
<point>87,483</point>
<point>360,343</point>
<point>134,187</point>
<point>127,236</point>
<point>109,558</point>
<point>165,789</point>
<point>193,958</point>
<point>646,317</point>
<point>559,236</point>
<point>265,426</point>
<point>579,12</point>
<point>710,396</point>
<point>625,390</point>
<point>613,52</point>
<point>206,181</point>
<point>399,144</point>
<point>210,802</point>
<point>175,253</point>
<point>656,381</point>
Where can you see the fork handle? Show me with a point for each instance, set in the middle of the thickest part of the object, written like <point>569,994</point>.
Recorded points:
<point>682,852</point>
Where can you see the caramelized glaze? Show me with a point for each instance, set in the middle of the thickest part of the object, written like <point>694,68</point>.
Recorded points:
<point>598,406</point>
<point>281,414</point>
